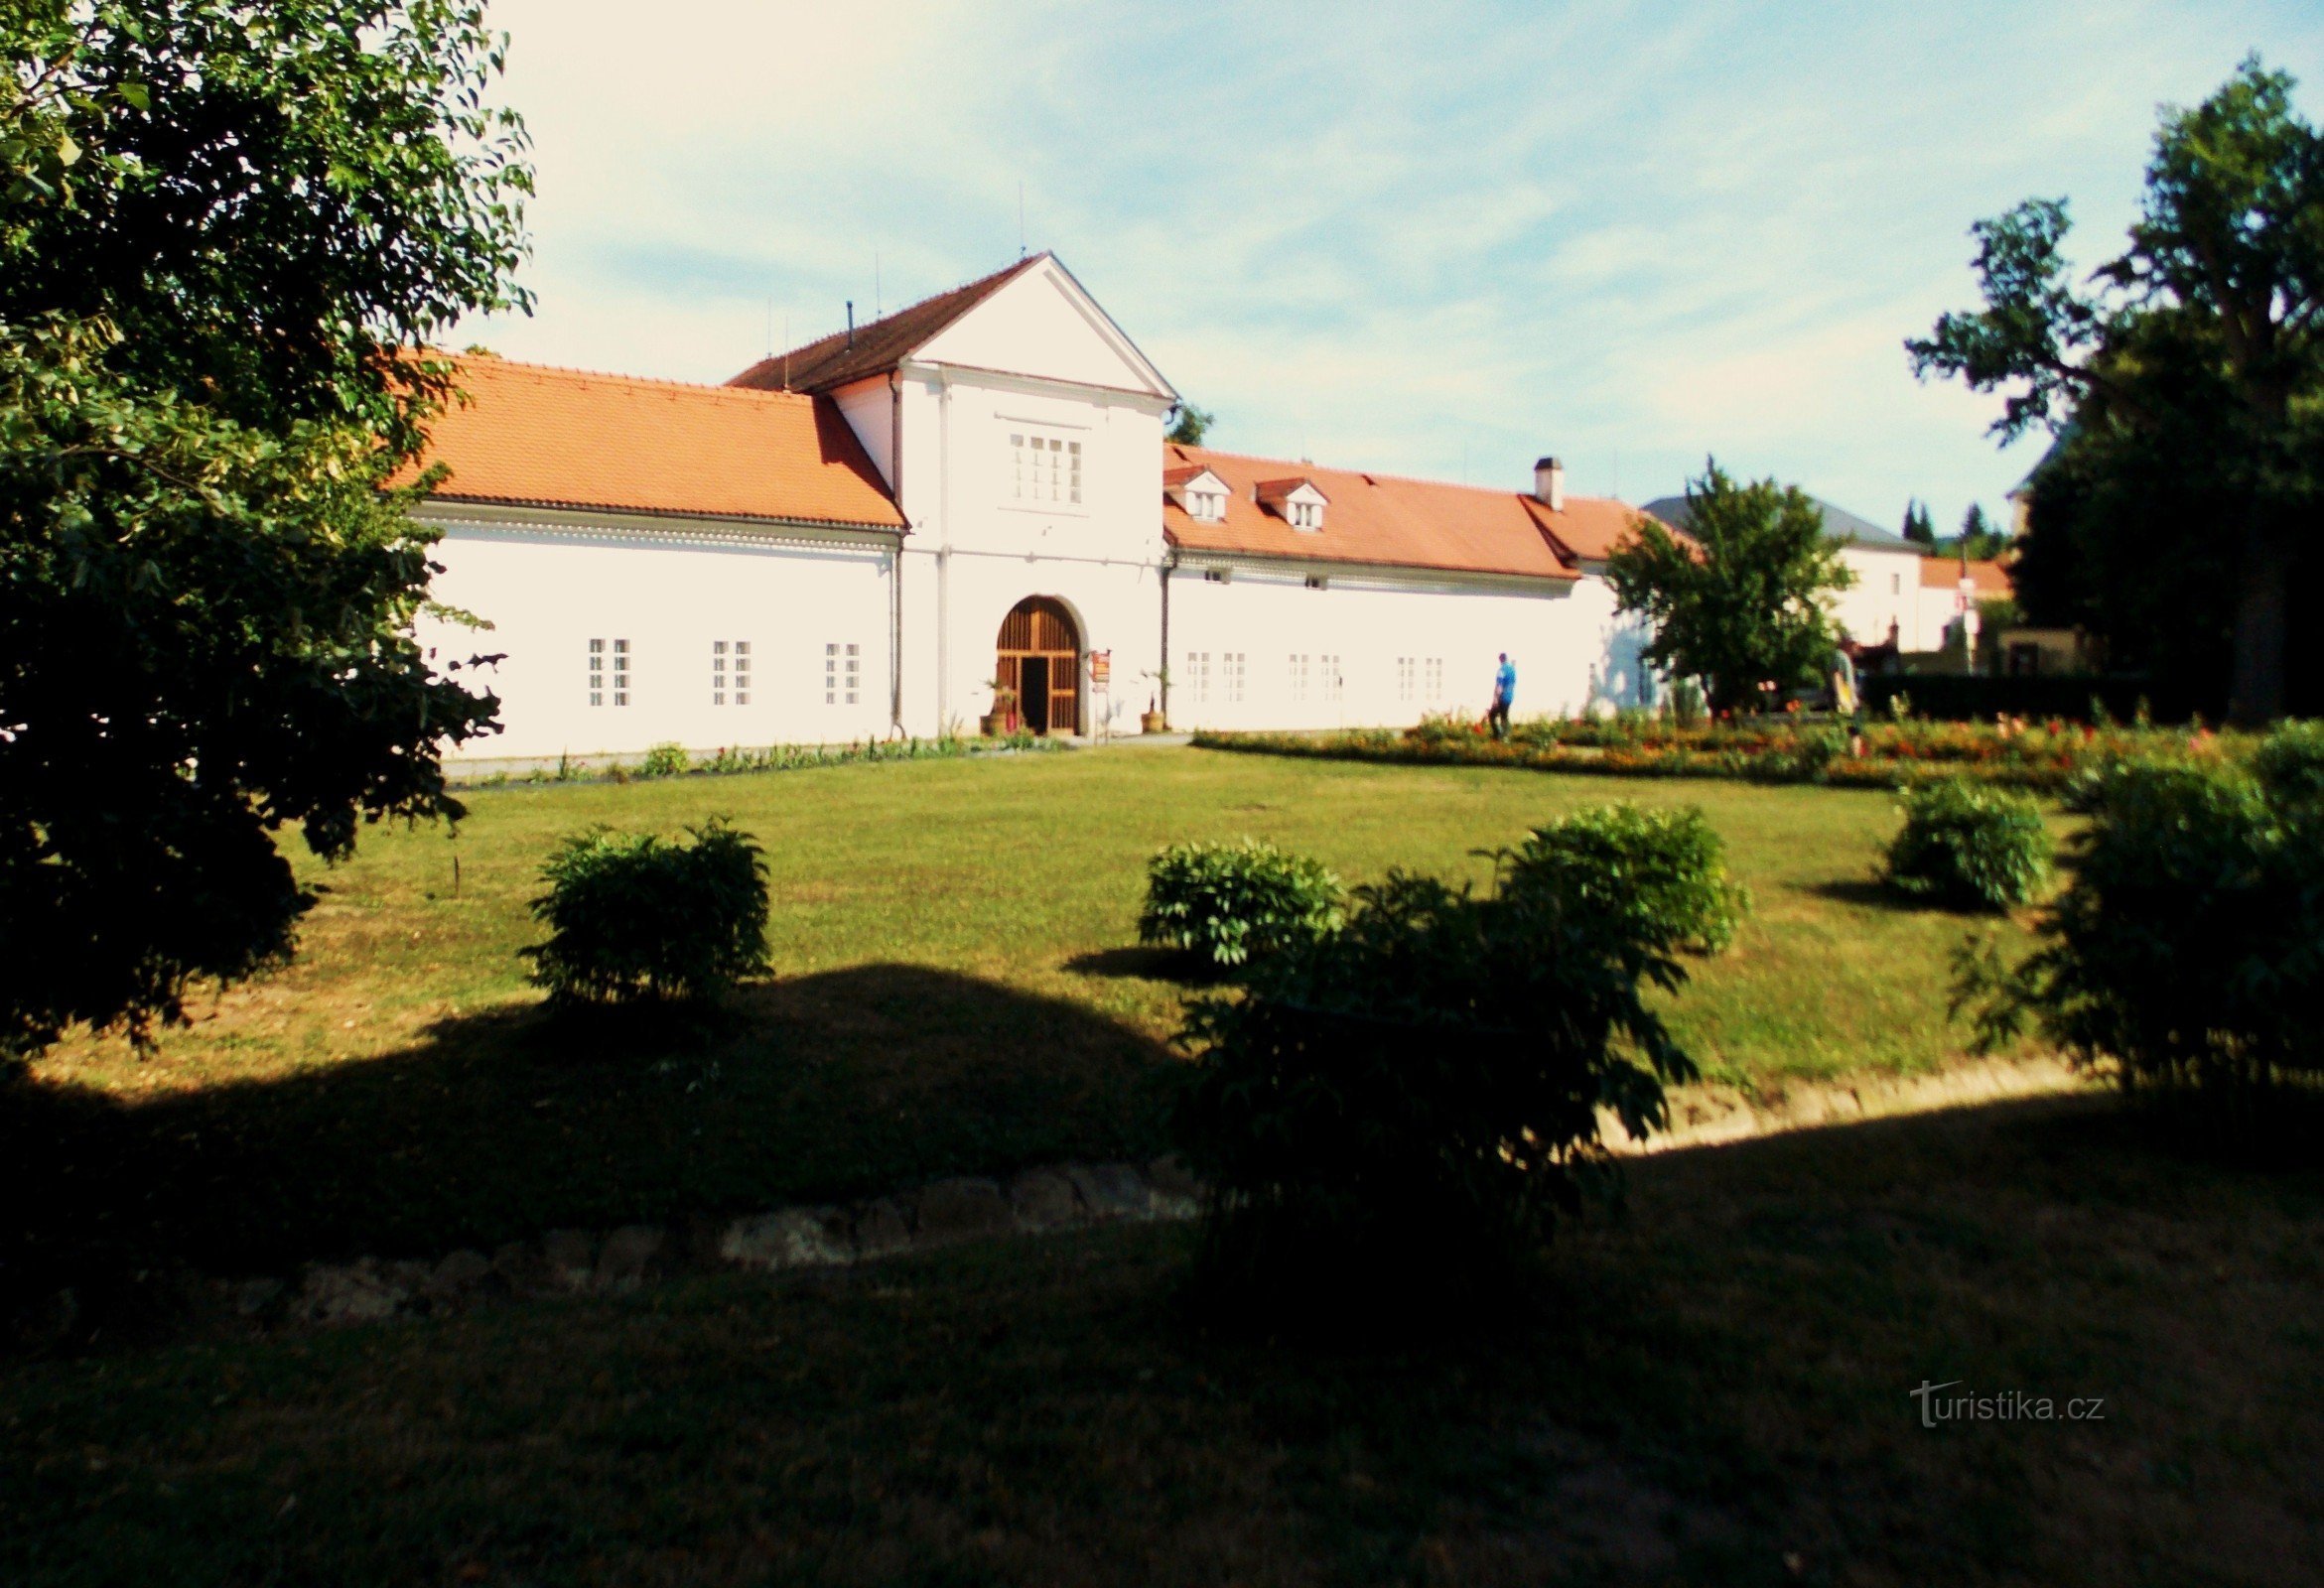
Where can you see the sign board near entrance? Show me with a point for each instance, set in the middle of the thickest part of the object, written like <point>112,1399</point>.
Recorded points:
<point>1101,668</point>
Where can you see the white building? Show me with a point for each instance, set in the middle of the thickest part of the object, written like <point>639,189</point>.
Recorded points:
<point>864,536</point>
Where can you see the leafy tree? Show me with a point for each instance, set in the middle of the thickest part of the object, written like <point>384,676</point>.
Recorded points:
<point>2199,351</point>
<point>222,230</point>
<point>1917,526</point>
<point>1740,600</point>
<point>1193,424</point>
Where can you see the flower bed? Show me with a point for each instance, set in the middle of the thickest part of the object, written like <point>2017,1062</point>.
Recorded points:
<point>2043,757</point>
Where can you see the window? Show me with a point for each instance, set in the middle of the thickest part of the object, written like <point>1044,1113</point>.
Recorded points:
<point>1319,582</point>
<point>730,671</point>
<point>1298,678</point>
<point>1218,575</point>
<point>1305,516</point>
<point>598,690</point>
<point>1230,671</point>
<point>843,674</point>
<point>1044,469</point>
<point>1209,506</point>
<point>1436,677</point>
<point>1327,671</point>
<point>1405,673</point>
<point>1895,584</point>
<point>1197,679</point>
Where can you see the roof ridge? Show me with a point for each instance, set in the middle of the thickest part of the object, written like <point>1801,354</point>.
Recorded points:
<point>868,325</point>
<point>1382,473</point>
<point>715,389</point>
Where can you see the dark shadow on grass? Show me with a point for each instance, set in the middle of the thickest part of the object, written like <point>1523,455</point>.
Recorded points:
<point>1148,964</point>
<point>1712,1389</point>
<point>505,1124</point>
<point>1870,894</point>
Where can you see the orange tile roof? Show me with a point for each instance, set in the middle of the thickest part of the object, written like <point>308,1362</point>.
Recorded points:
<point>568,437</point>
<point>876,347</point>
<point>1395,522</point>
<point>1944,572</point>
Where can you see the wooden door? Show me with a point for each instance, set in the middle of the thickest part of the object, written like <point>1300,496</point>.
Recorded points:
<point>1039,633</point>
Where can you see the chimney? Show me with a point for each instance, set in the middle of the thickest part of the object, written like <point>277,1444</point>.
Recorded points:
<point>1549,484</point>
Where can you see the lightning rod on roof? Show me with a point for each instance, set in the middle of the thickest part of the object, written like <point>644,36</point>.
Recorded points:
<point>1020,219</point>
<point>875,284</point>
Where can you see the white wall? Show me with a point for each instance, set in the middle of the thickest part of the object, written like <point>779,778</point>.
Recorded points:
<point>1887,590</point>
<point>549,590</point>
<point>1568,649</point>
<point>975,551</point>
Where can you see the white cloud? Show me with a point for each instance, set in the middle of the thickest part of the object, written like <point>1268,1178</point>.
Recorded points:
<point>1379,236</point>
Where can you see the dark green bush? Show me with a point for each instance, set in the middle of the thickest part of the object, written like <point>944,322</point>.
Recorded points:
<point>1661,875</point>
<point>1969,847</point>
<point>1400,1111</point>
<point>2186,955</point>
<point>631,916</point>
<point>2289,763</point>
<point>1233,904</point>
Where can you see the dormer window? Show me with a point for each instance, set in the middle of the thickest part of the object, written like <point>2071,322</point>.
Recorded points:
<point>1297,501</point>
<point>1199,491</point>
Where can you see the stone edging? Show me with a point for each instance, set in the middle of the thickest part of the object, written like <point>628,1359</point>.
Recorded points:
<point>821,1236</point>
<point>945,1212</point>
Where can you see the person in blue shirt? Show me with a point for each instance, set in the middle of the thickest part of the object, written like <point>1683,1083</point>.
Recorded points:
<point>1504,692</point>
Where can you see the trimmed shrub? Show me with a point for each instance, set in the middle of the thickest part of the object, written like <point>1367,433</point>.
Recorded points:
<point>1969,847</point>
<point>1399,1111</point>
<point>1660,874</point>
<point>664,760</point>
<point>2289,763</point>
<point>2186,954</point>
<point>1233,904</point>
<point>631,916</point>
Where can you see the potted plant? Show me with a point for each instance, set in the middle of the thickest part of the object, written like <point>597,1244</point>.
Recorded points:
<point>1002,718</point>
<point>1154,719</point>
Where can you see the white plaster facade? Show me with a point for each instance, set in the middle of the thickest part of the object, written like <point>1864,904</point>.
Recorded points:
<point>1887,590</point>
<point>855,633</point>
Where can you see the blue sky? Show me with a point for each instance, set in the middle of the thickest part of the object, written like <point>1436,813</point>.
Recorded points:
<point>1432,240</point>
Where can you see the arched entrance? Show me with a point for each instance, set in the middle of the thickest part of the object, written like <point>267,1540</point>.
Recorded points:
<point>1040,659</point>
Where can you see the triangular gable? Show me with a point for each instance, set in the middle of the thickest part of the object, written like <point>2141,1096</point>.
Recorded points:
<point>1043,325</point>
<point>876,347</point>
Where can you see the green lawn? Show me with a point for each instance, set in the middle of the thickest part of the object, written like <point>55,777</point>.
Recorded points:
<point>1710,1386</point>
<point>958,991</point>
<point>1714,1390</point>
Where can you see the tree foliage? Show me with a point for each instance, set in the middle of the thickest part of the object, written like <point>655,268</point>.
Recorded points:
<point>1740,600</point>
<point>1193,424</point>
<point>222,229</point>
<point>2190,368</point>
<point>1917,525</point>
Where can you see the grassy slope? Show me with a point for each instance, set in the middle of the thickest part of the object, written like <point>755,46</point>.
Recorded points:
<point>958,994</point>
<point>1713,1390</point>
